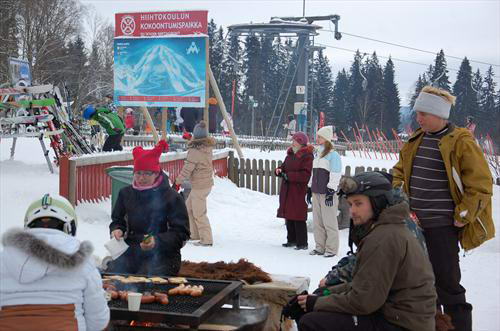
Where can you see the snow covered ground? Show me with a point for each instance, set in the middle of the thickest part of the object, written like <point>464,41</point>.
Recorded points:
<point>244,225</point>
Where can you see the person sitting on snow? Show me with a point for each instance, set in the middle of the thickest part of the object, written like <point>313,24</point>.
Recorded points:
<point>392,286</point>
<point>152,218</point>
<point>111,122</point>
<point>48,279</point>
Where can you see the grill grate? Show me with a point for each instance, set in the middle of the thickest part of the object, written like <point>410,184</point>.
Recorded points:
<point>177,303</point>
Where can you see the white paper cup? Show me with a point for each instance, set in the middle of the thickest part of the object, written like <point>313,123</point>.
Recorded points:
<point>134,301</point>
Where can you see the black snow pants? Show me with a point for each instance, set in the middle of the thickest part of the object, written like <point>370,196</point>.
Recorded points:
<point>296,232</point>
<point>442,245</point>
<point>113,143</point>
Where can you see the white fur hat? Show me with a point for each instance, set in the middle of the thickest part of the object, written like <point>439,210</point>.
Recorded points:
<point>326,132</point>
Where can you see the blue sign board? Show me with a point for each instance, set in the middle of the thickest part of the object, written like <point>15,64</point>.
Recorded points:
<point>160,72</point>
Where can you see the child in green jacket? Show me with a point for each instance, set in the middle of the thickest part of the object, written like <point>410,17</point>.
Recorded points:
<point>111,122</point>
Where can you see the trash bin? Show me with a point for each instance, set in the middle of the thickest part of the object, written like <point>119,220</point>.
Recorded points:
<point>120,177</point>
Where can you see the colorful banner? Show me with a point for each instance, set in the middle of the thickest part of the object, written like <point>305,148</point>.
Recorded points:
<point>160,72</point>
<point>158,24</point>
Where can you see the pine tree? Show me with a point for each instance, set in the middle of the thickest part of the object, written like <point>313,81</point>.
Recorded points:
<point>439,77</point>
<point>391,102</point>
<point>217,53</point>
<point>374,76</point>
<point>231,74</point>
<point>75,69</point>
<point>323,87</point>
<point>269,86</point>
<point>253,80</point>
<point>340,102</point>
<point>466,103</point>
<point>356,93</point>
<point>487,103</point>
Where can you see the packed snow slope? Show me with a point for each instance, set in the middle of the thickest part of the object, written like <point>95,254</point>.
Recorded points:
<point>244,224</point>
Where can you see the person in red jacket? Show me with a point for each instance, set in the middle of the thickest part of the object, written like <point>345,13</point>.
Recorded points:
<point>295,172</point>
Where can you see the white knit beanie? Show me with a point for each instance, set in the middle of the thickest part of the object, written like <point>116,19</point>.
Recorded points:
<point>326,132</point>
<point>432,104</point>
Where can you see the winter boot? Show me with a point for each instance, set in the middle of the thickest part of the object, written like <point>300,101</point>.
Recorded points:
<point>461,316</point>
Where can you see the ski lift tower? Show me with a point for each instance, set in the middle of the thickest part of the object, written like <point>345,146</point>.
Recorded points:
<point>303,29</point>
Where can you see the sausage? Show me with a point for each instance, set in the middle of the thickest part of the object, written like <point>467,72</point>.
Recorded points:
<point>123,295</point>
<point>161,298</point>
<point>148,298</point>
<point>114,294</point>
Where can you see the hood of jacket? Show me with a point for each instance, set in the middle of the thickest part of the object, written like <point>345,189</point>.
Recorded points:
<point>34,253</point>
<point>202,142</point>
<point>308,149</point>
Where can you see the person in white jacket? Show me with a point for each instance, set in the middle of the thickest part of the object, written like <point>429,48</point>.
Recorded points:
<point>47,278</point>
<point>327,167</point>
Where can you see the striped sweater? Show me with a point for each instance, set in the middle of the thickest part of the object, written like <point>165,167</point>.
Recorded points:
<point>430,196</point>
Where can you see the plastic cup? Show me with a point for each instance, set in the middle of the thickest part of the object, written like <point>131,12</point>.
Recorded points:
<point>134,301</point>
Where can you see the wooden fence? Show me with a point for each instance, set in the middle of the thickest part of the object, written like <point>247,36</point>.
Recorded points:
<point>84,178</point>
<point>258,175</point>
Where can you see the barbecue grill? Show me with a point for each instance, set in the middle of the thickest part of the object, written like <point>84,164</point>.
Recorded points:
<point>182,309</point>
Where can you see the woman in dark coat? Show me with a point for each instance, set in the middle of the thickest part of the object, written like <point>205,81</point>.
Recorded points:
<point>295,172</point>
<point>151,217</point>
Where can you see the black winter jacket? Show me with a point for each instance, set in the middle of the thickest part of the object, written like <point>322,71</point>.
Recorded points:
<point>159,211</point>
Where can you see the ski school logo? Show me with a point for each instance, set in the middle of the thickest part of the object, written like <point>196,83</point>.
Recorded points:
<point>127,25</point>
<point>192,49</point>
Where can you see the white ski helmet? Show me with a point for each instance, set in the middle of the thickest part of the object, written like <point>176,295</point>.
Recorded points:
<point>56,207</point>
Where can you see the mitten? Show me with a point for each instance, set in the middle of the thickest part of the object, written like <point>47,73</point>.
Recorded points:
<point>329,197</point>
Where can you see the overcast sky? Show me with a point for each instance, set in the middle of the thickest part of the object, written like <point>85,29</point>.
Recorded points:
<point>460,28</point>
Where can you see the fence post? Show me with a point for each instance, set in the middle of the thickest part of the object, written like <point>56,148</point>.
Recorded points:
<point>242,173</point>
<point>236,174</point>
<point>248,173</point>
<point>64,177</point>
<point>347,171</point>
<point>260,175</point>
<point>273,177</point>
<point>72,182</point>
<point>254,175</point>
<point>230,166</point>
<point>267,174</point>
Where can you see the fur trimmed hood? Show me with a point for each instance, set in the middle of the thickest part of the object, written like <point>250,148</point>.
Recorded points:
<point>308,149</point>
<point>202,142</point>
<point>35,253</point>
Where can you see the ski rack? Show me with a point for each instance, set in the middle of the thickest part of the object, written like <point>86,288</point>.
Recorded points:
<point>33,122</point>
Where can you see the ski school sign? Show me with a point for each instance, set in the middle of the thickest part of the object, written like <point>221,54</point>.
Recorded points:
<point>161,59</point>
<point>157,24</point>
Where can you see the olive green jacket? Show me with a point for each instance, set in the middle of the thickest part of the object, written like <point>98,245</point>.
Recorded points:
<point>392,275</point>
<point>469,177</point>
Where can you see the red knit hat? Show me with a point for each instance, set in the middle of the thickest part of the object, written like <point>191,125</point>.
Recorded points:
<point>301,138</point>
<point>149,160</point>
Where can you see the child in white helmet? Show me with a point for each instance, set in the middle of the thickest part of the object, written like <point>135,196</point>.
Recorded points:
<point>48,280</point>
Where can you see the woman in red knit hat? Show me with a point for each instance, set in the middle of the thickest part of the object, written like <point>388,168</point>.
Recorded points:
<point>152,218</point>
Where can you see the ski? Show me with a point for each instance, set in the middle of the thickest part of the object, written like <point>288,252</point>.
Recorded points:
<point>26,90</point>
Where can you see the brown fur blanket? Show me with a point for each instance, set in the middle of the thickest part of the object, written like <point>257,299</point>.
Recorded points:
<point>242,270</point>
